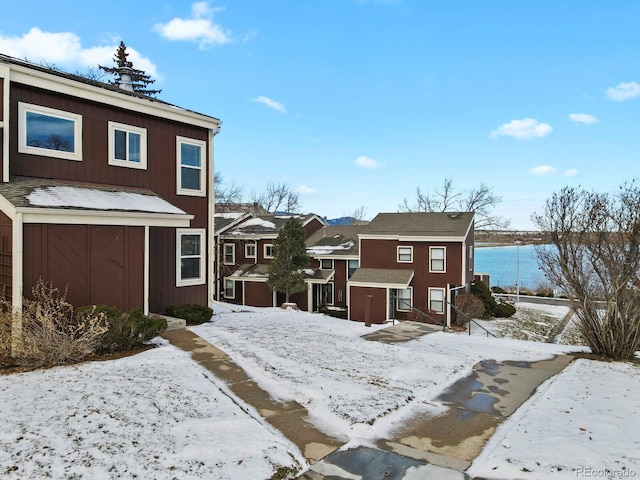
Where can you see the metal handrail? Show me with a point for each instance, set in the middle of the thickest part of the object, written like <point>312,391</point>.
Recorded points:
<point>469,319</point>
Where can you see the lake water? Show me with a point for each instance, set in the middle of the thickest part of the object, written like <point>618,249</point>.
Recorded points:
<point>501,263</point>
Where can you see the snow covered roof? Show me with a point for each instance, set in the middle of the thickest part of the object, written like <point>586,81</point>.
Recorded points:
<point>44,194</point>
<point>335,241</point>
<point>267,224</point>
<point>94,199</point>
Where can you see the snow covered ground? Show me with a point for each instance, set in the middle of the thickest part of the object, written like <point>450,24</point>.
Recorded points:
<point>159,415</point>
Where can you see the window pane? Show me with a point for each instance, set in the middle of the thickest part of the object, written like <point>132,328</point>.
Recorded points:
<point>404,254</point>
<point>190,155</point>
<point>134,147</point>
<point>190,245</point>
<point>404,299</point>
<point>190,268</point>
<point>190,178</point>
<point>326,264</point>
<point>120,145</point>
<point>52,133</point>
<point>353,266</point>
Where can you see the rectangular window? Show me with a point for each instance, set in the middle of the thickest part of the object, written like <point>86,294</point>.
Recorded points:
<point>471,258</point>
<point>437,259</point>
<point>326,264</point>
<point>229,289</point>
<point>405,254</point>
<point>352,267</point>
<point>49,132</point>
<point>229,254</point>
<point>403,300</point>
<point>190,258</point>
<point>191,155</point>
<point>250,250</point>
<point>436,300</point>
<point>268,251</point>
<point>127,146</point>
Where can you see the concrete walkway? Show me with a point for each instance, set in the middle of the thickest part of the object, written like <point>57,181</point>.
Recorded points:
<point>290,418</point>
<point>441,447</point>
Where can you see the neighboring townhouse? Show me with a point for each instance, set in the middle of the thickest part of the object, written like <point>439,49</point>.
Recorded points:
<point>411,260</point>
<point>334,249</point>
<point>105,192</point>
<point>246,250</point>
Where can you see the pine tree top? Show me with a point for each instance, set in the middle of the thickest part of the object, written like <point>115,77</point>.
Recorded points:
<point>140,80</point>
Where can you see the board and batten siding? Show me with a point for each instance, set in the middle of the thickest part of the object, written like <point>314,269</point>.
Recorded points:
<point>93,263</point>
<point>160,177</point>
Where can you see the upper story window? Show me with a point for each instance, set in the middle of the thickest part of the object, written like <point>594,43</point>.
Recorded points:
<point>326,264</point>
<point>268,250</point>
<point>250,250</point>
<point>437,256</point>
<point>190,260</point>
<point>127,146</point>
<point>470,258</point>
<point>229,254</point>
<point>49,132</point>
<point>405,254</point>
<point>352,266</point>
<point>191,164</point>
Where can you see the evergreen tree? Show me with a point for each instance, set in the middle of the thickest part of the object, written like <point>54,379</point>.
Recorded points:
<point>290,257</point>
<point>139,79</point>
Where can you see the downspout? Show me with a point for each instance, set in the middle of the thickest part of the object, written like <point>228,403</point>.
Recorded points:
<point>146,270</point>
<point>213,280</point>
<point>5,73</point>
<point>16,282</point>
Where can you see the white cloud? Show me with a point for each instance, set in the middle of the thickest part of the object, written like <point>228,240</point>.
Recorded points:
<point>277,106</point>
<point>64,50</point>
<point>583,118</point>
<point>198,28</point>
<point>623,91</point>
<point>306,190</point>
<point>366,162</point>
<point>524,129</point>
<point>571,173</point>
<point>542,170</point>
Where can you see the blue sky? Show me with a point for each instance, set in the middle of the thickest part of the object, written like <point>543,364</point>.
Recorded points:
<point>358,102</point>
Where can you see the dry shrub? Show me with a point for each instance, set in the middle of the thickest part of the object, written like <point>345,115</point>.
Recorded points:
<point>6,319</point>
<point>471,306</point>
<point>51,335</point>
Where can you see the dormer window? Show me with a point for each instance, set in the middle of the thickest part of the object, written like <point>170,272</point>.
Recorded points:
<point>127,146</point>
<point>48,132</point>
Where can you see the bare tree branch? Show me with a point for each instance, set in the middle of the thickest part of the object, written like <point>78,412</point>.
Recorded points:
<point>480,200</point>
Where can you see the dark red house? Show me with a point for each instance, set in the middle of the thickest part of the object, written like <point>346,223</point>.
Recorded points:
<point>245,250</point>
<point>411,260</point>
<point>105,192</point>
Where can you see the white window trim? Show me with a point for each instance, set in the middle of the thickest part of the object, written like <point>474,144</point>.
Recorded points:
<point>264,250</point>
<point>233,295</point>
<point>325,260</point>
<point>444,262</point>
<point>470,258</point>
<point>202,191</point>
<point>431,289</point>
<point>398,309</point>
<point>224,253</point>
<point>348,277</point>
<point>23,108</point>
<point>410,247</point>
<point>142,165</point>
<point>191,281</point>
<point>247,246</point>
